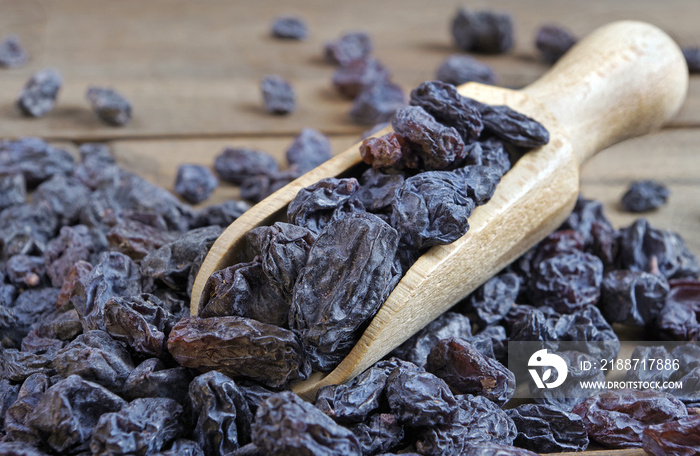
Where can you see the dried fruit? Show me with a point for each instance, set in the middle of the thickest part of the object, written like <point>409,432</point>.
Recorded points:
<point>552,41</point>
<point>318,204</point>
<point>680,316</point>
<point>467,371</point>
<point>195,183</point>
<point>511,126</point>
<point>435,145</point>
<point>633,297</point>
<point>110,106</point>
<point>618,418</point>
<point>546,429</point>
<point>644,248</point>
<point>431,208</point>
<point>234,165</point>
<point>459,68</point>
<point>447,106</point>
<point>679,438</point>
<point>96,357</point>
<point>349,47</point>
<point>285,424</point>
<point>448,325</point>
<point>39,94</point>
<point>12,54</point>
<point>387,152</point>
<point>380,433</point>
<point>284,250</point>
<point>278,95</point>
<point>567,282</point>
<point>13,190</point>
<point>173,263</point>
<point>141,427</point>
<point>485,31</point>
<point>359,74</point>
<point>220,414</point>
<point>290,28</point>
<point>66,415</point>
<point>326,311</point>
<point>492,300</point>
<point>644,196</point>
<point>240,348</point>
<point>244,290</point>
<point>692,58</point>
<point>476,421</point>
<point>377,103</point>
<point>309,149</point>
<point>152,378</point>
<point>419,398</point>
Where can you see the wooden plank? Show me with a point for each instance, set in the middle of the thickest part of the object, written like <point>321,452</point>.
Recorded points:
<point>669,155</point>
<point>193,68</point>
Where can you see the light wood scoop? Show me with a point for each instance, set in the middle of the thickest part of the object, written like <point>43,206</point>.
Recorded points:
<point>623,80</point>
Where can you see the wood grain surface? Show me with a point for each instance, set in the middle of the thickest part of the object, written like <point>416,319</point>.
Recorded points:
<point>192,70</point>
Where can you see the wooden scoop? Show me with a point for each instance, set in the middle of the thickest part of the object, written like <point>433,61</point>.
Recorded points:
<point>623,80</point>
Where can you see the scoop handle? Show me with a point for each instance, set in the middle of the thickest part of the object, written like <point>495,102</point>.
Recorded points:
<point>625,79</point>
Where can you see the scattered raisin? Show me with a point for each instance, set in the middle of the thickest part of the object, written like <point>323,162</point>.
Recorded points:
<point>377,103</point>
<point>467,371</point>
<point>13,190</point>
<point>692,58</point>
<point>290,28</point>
<point>39,94</point>
<point>644,196</point>
<point>309,149</point>
<point>567,282</point>
<point>141,427</point>
<point>234,165</point>
<point>219,412</point>
<point>546,429</point>
<point>195,183</point>
<point>109,106</point>
<point>352,78</point>
<point>552,41</point>
<point>431,208</point>
<point>239,347</point>
<point>477,420</point>
<point>12,54</point>
<point>632,297</point>
<point>618,418</point>
<point>485,31</point>
<point>349,47</point>
<point>680,437</point>
<point>278,95</point>
<point>459,68</point>
<point>285,424</point>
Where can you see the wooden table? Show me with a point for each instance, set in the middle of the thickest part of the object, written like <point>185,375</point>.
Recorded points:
<point>192,71</point>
